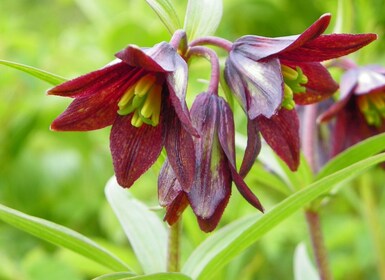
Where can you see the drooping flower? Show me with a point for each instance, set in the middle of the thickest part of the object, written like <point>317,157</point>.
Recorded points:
<point>142,95</point>
<point>269,76</point>
<point>215,167</point>
<point>360,111</point>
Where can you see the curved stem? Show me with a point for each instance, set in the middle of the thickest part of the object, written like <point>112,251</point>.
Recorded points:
<point>215,41</point>
<point>179,41</point>
<point>215,68</point>
<point>309,142</point>
<point>173,256</point>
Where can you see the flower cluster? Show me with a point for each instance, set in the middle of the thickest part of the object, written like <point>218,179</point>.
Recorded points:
<point>142,95</point>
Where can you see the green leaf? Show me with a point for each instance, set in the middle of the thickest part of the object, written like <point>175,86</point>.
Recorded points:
<point>144,229</point>
<point>363,149</point>
<point>167,14</point>
<point>40,74</point>
<point>61,236</point>
<point>114,276</point>
<point>303,268</point>
<point>156,276</point>
<point>224,245</point>
<point>202,18</point>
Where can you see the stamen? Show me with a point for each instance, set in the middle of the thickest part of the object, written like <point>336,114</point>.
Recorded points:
<point>294,79</point>
<point>143,99</point>
<point>372,107</point>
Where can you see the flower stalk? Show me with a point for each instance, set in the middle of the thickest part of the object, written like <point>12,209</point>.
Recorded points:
<point>173,248</point>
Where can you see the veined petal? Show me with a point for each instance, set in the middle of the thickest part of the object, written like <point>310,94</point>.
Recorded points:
<point>208,224</point>
<point>177,86</point>
<point>168,185</point>
<point>176,208</point>
<point>91,112</point>
<point>328,46</point>
<point>262,84</point>
<point>369,81</point>
<point>257,47</point>
<point>179,146</point>
<point>133,149</point>
<point>281,132</point>
<point>253,147</point>
<point>212,185</point>
<point>94,83</point>
<point>160,58</point>
<point>320,85</point>
<point>226,131</point>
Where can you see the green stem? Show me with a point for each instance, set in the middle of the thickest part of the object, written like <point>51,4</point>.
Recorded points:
<point>317,241</point>
<point>173,257</point>
<point>373,222</point>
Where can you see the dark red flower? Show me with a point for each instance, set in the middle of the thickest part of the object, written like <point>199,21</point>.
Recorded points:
<point>142,95</point>
<point>215,167</point>
<point>269,75</point>
<point>360,111</point>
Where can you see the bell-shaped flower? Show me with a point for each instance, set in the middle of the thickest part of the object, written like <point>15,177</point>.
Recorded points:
<point>142,95</point>
<point>215,167</point>
<point>269,76</point>
<point>360,111</point>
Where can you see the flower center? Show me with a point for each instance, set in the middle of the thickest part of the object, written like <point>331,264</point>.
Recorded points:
<point>372,106</point>
<point>294,79</point>
<point>143,99</point>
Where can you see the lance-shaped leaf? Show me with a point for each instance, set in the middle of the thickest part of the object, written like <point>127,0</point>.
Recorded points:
<point>167,14</point>
<point>202,17</point>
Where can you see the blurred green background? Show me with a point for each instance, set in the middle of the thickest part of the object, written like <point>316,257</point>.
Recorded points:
<point>61,176</point>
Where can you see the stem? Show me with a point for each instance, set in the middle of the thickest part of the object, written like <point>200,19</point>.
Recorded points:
<point>179,41</point>
<point>373,222</point>
<point>309,140</point>
<point>319,250</point>
<point>215,68</point>
<point>173,256</point>
<point>215,41</point>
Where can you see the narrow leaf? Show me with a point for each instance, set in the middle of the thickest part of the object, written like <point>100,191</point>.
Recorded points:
<point>303,268</point>
<point>40,74</point>
<point>364,149</point>
<point>144,229</point>
<point>167,14</point>
<point>202,17</point>
<point>223,246</point>
<point>61,236</point>
<point>156,276</point>
<point>115,276</point>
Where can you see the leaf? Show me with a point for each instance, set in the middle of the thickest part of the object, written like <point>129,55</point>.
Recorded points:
<point>144,229</point>
<point>156,276</point>
<point>202,17</point>
<point>40,74</point>
<point>303,268</point>
<point>364,149</point>
<point>223,246</point>
<point>167,14</point>
<point>61,236</point>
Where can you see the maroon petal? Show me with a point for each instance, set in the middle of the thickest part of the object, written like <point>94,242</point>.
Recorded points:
<point>179,146</point>
<point>159,58</point>
<point>252,149</point>
<point>168,185</point>
<point>210,223</point>
<point>320,85</point>
<point>245,191</point>
<point>260,82</point>
<point>326,47</point>
<point>96,82</point>
<point>134,150</point>
<point>176,208</point>
<point>212,185</point>
<point>281,132</point>
<point>177,86</point>
<point>257,47</point>
<point>226,131</point>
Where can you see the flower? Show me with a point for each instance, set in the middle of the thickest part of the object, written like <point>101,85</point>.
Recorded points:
<point>269,76</point>
<point>142,95</point>
<point>215,167</point>
<point>360,111</point>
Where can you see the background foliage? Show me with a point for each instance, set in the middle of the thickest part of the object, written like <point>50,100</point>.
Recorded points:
<point>61,176</point>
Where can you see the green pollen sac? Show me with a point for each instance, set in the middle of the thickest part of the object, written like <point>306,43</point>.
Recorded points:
<point>372,107</point>
<point>143,99</point>
<point>293,84</point>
